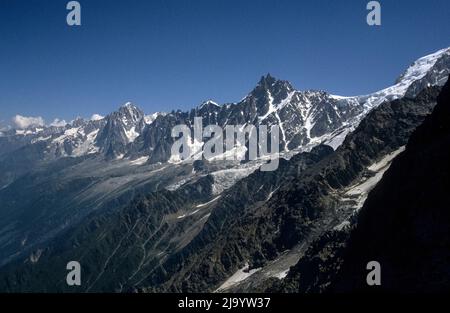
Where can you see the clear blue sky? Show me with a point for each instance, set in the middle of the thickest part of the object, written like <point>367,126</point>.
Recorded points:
<point>170,54</point>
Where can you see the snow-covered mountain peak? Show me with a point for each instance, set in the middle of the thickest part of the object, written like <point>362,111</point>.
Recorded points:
<point>130,113</point>
<point>148,119</point>
<point>207,104</point>
<point>414,75</point>
<point>96,117</point>
<point>420,67</point>
<point>127,104</point>
<point>435,64</point>
<point>430,70</point>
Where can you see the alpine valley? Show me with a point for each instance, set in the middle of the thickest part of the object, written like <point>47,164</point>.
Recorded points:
<point>360,178</point>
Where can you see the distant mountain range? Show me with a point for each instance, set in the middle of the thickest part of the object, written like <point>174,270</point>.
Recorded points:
<point>305,118</point>
<point>107,193</point>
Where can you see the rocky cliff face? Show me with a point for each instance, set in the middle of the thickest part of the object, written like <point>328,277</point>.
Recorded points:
<point>404,222</point>
<point>403,225</point>
<point>121,128</point>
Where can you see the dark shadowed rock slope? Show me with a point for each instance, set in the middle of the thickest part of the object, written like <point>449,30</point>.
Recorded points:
<point>404,225</point>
